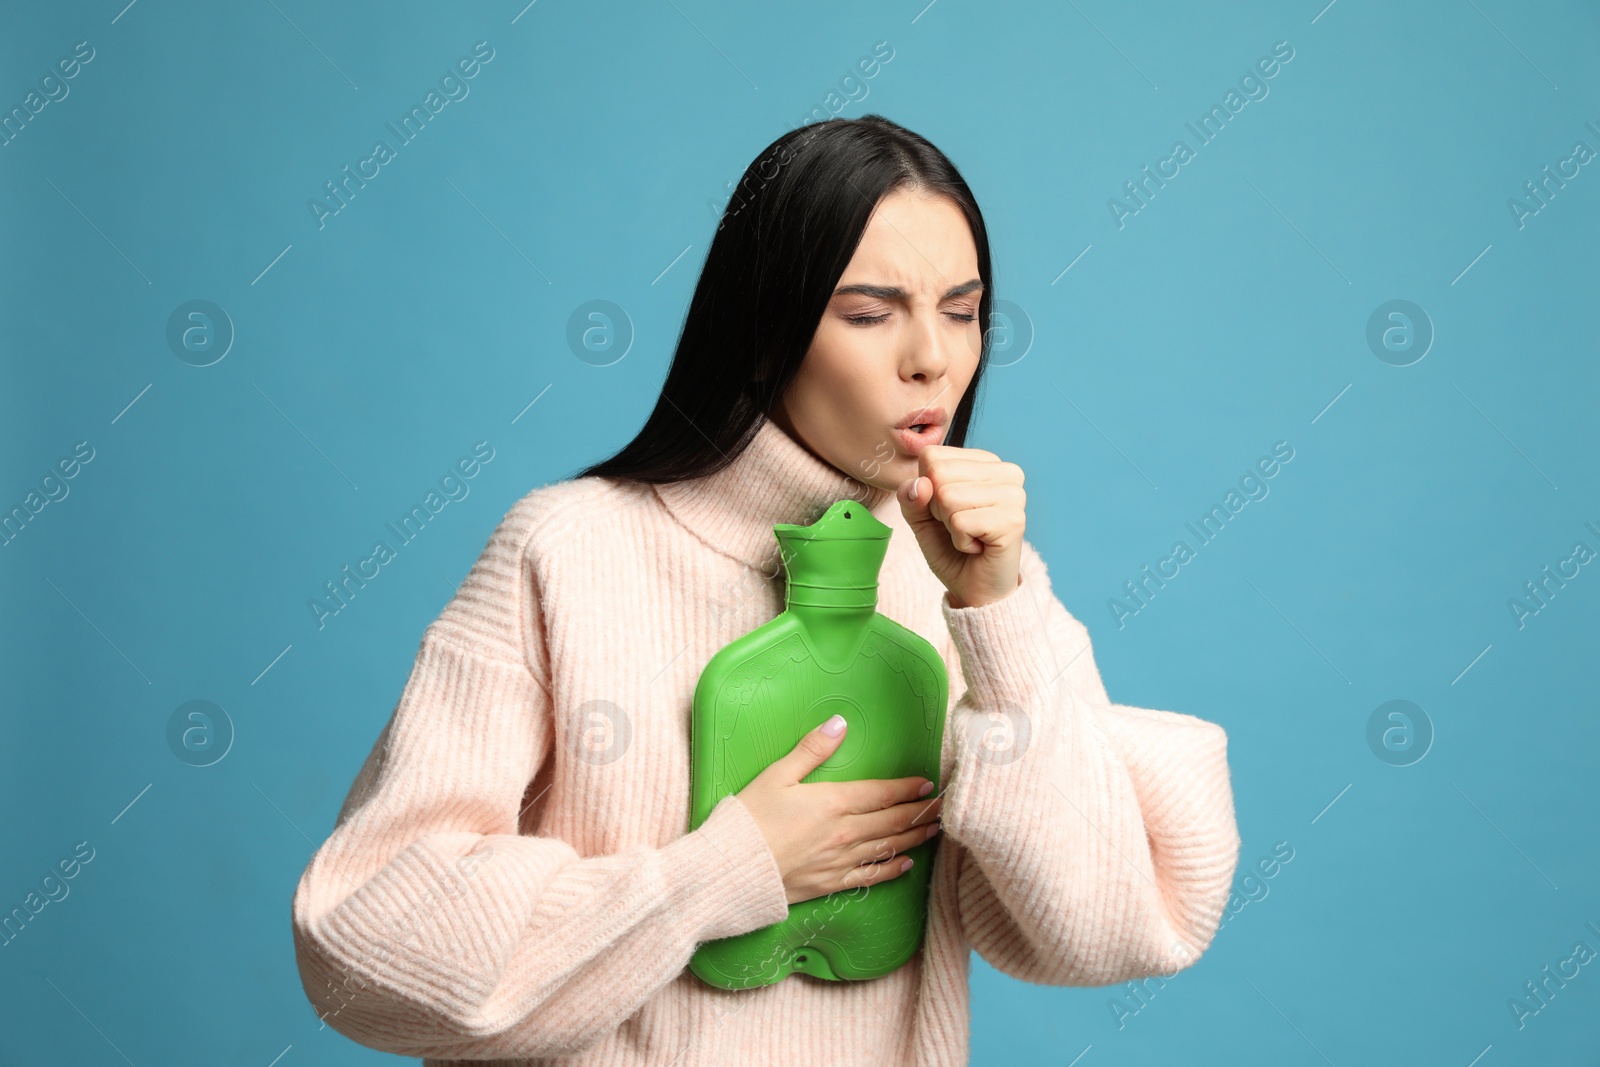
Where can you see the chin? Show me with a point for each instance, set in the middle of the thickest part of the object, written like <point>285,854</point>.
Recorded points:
<point>888,477</point>
<point>893,475</point>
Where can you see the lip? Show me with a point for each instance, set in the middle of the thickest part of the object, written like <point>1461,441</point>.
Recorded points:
<point>914,443</point>
<point>933,421</point>
<point>935,415</point>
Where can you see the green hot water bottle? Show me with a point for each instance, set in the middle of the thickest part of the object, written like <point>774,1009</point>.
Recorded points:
<point>829,652</point>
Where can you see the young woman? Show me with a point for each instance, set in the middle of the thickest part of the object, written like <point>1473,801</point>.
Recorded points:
<point>510,877</point>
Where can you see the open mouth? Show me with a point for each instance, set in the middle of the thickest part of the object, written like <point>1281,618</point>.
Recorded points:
<point>923,427</point>
<point>919,435</point>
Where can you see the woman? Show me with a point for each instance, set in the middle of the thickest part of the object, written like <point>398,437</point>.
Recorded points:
<point>510,878</point>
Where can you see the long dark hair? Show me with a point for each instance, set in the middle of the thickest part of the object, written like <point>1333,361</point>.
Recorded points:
<point>781,246</point>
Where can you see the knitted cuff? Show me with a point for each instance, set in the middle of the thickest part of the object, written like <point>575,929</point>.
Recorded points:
<point>1006,656</point>
<point>726,879</point>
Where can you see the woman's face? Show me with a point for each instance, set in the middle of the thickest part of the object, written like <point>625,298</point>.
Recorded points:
<point>901,333</point>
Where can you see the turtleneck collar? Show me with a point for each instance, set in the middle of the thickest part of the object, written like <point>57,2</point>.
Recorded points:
<point>775,479</point>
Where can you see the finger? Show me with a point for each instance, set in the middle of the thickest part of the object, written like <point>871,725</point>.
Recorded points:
<point>915,494</point>
<point>999,506</point>
<point>997,526</point>
<point>957,527</point>
<point>884,848</point>
<point>877,825</point>
<point>939,453</point>
<point>965,467</point>
<point>806,756</point>
<point>875,794</point>
<point>873,873</point>
<point>960,541</point>
<point>951,496</point>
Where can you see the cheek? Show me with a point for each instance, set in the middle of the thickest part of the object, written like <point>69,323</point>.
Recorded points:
<point>824,394</point>
<point>974,351</point>
<point>968,369</point>
<point>844,372</point>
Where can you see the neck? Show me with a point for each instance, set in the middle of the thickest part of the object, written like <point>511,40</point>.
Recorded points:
<point>774,479</point>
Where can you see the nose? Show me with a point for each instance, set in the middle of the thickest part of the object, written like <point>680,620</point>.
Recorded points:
<point>927,356</point>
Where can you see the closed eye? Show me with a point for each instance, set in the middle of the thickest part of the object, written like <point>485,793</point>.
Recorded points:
<point>869,320</point>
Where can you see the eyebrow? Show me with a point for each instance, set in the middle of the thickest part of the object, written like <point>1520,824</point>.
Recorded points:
<point>894,292</point>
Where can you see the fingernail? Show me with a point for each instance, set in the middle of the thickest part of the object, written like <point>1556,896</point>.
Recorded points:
<point>906,866</point>
<point>834,726</point>
<point>927,787</point>
<point>933,828</point>
<point>914,486</point>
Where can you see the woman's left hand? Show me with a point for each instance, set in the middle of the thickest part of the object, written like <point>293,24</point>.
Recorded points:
<point>968,518</point>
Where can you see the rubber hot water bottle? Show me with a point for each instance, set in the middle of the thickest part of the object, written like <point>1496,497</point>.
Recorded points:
<point>829,652</point>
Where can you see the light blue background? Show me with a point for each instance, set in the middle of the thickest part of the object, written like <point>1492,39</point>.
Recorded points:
<point>1229,314</point>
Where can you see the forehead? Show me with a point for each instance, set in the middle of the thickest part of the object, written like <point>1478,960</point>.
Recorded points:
<point>915,240</point>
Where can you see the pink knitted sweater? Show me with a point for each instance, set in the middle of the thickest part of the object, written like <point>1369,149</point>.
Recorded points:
<point>510,878</point>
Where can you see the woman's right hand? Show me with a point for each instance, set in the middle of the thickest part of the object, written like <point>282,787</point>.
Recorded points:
<point>832,836</point>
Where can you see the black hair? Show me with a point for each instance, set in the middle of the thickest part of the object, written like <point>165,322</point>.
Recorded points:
<point>781,245</point>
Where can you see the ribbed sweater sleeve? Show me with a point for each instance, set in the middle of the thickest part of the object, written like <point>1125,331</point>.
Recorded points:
<point>1100,837</point>
<point>427,925</point>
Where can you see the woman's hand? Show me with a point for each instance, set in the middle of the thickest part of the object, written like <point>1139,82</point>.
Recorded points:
<point>831,836</point>
<point>966,507</point>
